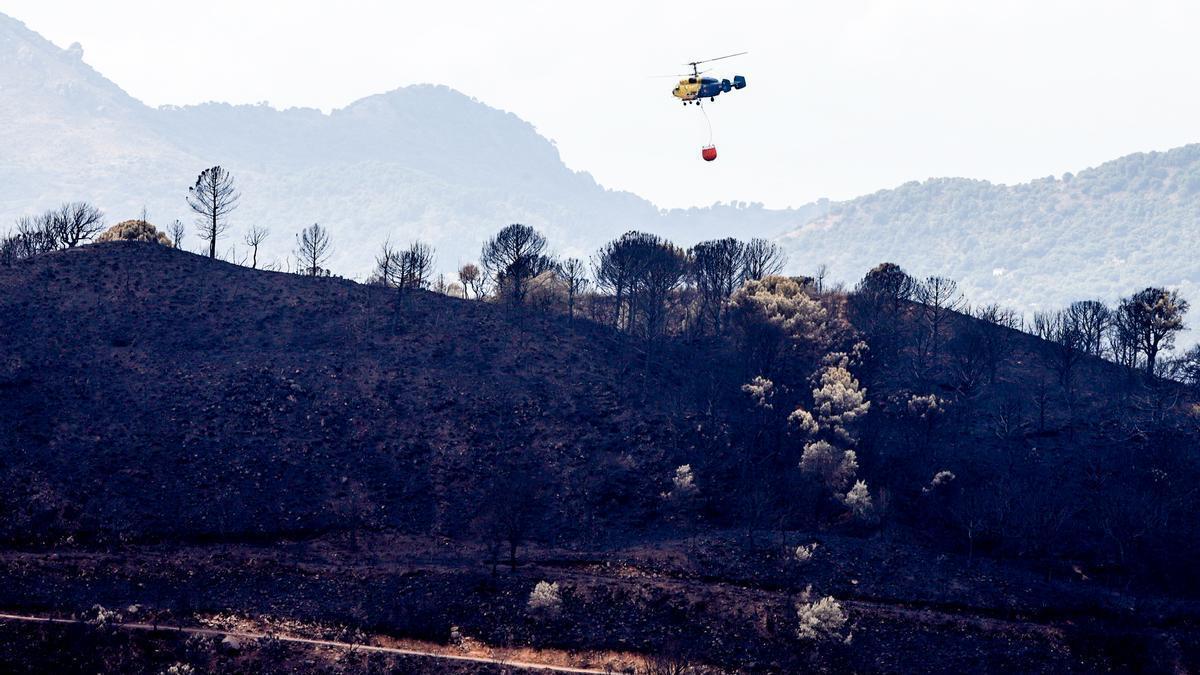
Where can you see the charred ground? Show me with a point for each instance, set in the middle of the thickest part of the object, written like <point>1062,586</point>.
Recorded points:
<point>152,394</point>
<point>199,437</point>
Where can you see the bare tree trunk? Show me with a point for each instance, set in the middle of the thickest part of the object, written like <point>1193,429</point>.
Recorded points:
<point>212,240</point>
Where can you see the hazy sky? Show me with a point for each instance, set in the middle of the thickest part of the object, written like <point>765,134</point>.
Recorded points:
<point>845,98</point>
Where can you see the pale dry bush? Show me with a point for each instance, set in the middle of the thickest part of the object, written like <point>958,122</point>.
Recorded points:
<point>761,390</point>
<point>803,553</point>
<point>782,302</point>
<point>940,479</point>
<point>839,400</point>
<point>545,599</point>
<point>820,620</point>
<point>546,291</point>
<point>926,407</point>
<point>835,467</point>
<point>135,230</point>
<point>848,359</point>
<point>839,404</point>
<point>102,616</point>
<point>804,422</point>
<point>859,501</point>
<point>683,482</point>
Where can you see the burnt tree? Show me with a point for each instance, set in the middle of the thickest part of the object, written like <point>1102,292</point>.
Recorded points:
<point>213,198</point>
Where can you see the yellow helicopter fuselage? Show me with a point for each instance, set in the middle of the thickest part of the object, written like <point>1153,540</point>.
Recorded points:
<point>688,89</point>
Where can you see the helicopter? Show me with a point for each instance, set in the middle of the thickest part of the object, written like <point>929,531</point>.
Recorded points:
<point>695,87</point>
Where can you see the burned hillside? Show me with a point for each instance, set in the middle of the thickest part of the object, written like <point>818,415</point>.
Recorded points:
<point>782,436</point>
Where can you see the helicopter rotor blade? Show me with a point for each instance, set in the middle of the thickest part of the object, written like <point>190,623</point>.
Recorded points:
<point>727,56</point>
<point>683,75</point>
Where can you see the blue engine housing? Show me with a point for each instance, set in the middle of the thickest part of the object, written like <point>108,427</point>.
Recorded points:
<point>710,87</point>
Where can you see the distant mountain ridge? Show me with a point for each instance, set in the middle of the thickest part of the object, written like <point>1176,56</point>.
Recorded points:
<point>1102,233</point>
<point>421,162</point>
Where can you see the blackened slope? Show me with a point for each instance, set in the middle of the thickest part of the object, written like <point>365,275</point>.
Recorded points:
<point>153,393</point>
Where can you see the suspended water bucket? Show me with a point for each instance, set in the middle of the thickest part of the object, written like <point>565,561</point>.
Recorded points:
<point>709,152</point>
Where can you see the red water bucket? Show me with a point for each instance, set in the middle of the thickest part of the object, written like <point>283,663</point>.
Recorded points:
<point>709,152</point>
